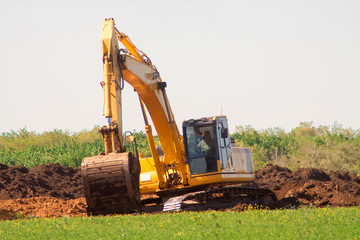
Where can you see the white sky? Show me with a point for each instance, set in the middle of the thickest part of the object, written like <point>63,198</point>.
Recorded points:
<point>264,63</point>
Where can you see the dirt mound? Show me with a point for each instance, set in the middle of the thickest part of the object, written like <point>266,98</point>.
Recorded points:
<point>311,186</point>
<point>45,180</point>
<point>52,190</point>
<point>41,207</point>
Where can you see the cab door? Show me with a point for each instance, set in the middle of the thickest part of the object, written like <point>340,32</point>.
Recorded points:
<point>224,147</point>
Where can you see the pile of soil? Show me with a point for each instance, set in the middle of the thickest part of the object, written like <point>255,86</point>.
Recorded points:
<point>41,207</point>
<point>45,180</point>
<point>311,185</point>
<point>52,190</point>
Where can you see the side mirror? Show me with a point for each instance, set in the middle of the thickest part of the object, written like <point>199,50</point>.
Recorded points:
<point>224,133</point>
<point>130,138</point>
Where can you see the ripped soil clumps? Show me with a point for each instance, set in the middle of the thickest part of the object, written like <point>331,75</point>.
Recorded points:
<point>51,180</point>
<point>53,190</point>
<point>311,186</point>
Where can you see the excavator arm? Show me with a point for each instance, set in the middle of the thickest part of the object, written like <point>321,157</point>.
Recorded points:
<point>134,67</point>
<point>112,91</point>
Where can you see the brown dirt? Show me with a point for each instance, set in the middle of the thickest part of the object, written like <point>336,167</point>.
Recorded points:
<point>41,207</point>
<point>44,191</point>
<point>52,190</point>
<point>311,186</point>
<point>45,180</point>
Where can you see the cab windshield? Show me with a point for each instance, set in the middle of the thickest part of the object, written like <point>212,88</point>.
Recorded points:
<point>201,149</point>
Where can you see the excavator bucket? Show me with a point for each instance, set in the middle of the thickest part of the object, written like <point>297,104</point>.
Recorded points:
<point>111,183</point>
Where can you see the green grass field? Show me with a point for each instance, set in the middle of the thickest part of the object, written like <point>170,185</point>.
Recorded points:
<point>304,223</point>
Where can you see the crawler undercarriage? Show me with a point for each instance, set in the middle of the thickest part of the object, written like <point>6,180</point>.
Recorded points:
<point>110,187</point>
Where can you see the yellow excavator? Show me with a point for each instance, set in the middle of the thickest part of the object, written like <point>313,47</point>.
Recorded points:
<point>200,167</point>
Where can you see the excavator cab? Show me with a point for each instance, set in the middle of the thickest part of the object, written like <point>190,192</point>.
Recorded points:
<point>206,143</point>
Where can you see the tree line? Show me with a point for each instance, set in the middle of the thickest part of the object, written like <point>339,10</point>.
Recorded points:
<point>327,147</point>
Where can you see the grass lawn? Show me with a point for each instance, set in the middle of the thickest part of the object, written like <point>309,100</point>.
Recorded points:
<point>304,223</point>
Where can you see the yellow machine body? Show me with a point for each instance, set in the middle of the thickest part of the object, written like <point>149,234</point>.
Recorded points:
<point>170,171</point>
<point>204,155</point>
<point>149,182</point>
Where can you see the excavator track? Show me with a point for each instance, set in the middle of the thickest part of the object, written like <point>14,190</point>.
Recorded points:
<point>111,183</point>
<point>220,197</point>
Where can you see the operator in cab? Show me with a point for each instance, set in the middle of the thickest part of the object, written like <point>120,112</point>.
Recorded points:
<point>207,146</point>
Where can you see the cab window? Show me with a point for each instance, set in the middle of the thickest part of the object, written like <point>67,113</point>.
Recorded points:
<point>201,149</point>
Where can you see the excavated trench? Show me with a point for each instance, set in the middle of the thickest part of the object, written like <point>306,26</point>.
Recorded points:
<point>52,190</point>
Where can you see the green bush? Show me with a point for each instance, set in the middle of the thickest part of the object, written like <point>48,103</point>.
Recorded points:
<point>329,148</point>
<point>326,147</point>
<point>31,149</point>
